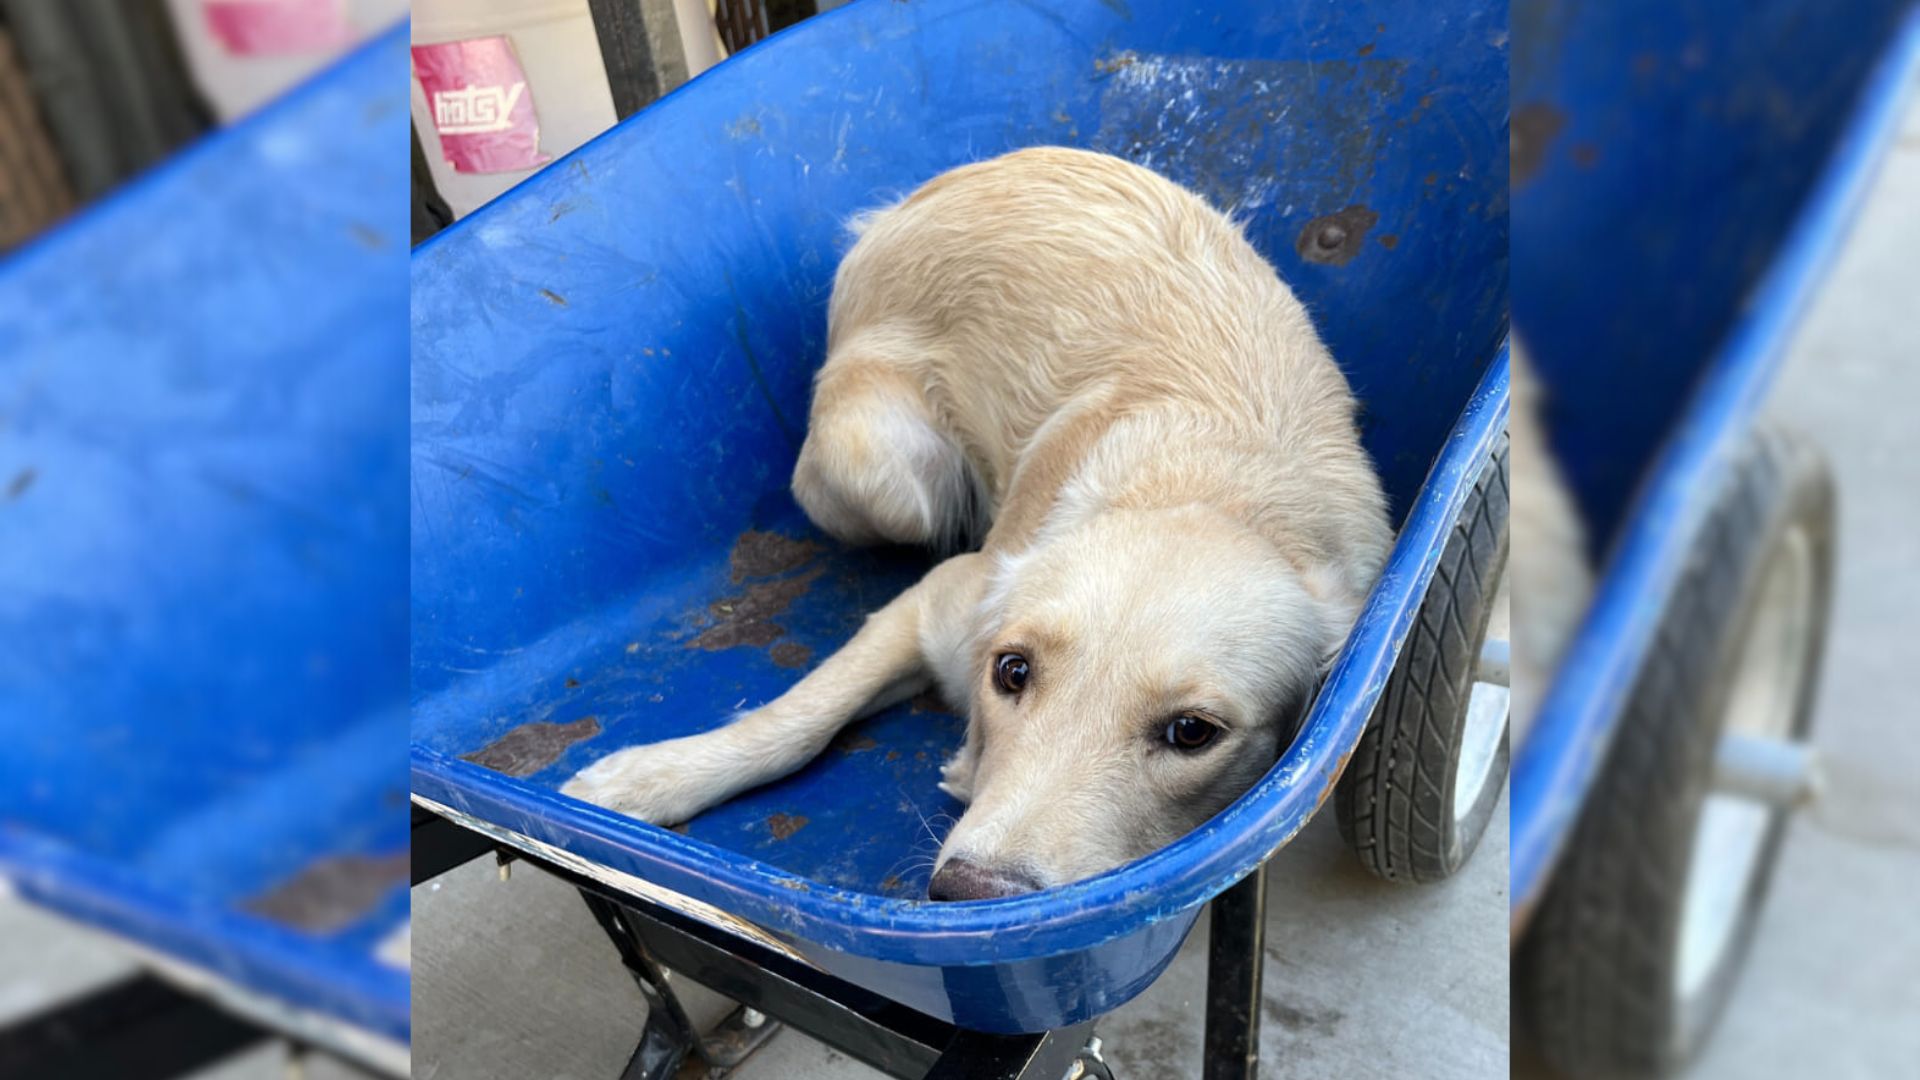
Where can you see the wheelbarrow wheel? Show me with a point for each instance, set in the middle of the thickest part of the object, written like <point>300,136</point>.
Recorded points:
<point>1632,954</point>
<point>1428,772</point>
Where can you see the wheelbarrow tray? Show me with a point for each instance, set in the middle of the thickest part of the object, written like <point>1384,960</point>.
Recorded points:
<point>1660,351</point>
<point>201,550</point>
<point>611,374</point>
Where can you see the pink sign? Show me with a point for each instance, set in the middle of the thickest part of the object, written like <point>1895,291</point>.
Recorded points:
<point>269,27</point>
<point>480,104</point>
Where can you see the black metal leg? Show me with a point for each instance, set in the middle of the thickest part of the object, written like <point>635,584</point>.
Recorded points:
<point>857,1022</point>
<point>439,845</point>
<point>627,55</point>
<point>669,1034</point>
<point>1235,951</point>
<point>137,1029</point>
<point>773,988</point>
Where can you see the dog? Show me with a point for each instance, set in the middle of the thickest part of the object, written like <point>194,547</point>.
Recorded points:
<point>1552,580</point>
<point>1089,371</point>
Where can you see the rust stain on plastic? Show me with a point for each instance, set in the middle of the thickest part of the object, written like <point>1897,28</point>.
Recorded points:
<point>1533,129</point>
<point>1339,770</point>
<point>765,554</point>
<point>785,825</point>
<point>852,742</point>
<point>332,893</point>
<point>1334,239</point>
<point>791,654</point>
<point>554,298</point>
<point>747,619</point>
<point>531,747</point>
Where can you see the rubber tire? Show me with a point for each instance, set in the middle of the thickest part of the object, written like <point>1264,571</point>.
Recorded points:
<point>1594,974</point>
<point>1394,801</point>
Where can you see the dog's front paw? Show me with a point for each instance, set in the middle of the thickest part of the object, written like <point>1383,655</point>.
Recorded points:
<point>663,783</point>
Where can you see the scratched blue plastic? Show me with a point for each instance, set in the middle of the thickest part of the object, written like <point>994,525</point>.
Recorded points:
<point>611,368</point>
<point>203,544</point>
<point>1658,276</point>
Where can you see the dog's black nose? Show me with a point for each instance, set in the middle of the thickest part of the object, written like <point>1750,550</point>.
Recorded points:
<point>963,880</point>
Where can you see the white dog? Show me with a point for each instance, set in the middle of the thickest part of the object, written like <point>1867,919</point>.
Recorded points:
<point>1092,367</point>
<point>1552,583</point>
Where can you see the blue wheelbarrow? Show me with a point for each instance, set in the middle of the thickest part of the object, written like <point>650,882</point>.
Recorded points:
<point>1703,162</point>
<point>611,372</point>
<point>202,551</point>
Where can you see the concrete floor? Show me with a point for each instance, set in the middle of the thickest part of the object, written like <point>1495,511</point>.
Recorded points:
<point>1833,986</point>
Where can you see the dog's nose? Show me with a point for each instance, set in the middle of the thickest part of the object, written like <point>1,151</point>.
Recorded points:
<point>963,880</point>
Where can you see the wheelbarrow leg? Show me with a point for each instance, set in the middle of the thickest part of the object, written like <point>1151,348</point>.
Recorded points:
<point>1235,951</point>
<point>669,1035</point>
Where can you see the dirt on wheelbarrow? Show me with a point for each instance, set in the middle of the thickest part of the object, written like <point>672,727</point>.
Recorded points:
<point>747,619</point>
<point>766,554</point>
<point>331,893</point>
<point>527,749</point>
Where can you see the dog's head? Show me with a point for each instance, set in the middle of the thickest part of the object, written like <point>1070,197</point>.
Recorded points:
<point>1132,676</point>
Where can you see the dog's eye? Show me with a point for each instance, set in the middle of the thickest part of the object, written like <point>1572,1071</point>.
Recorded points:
<point>1010,672</point>
<point>1190,732</point>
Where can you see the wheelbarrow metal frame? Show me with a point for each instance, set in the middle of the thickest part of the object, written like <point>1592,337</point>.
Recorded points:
<point>652,937</point>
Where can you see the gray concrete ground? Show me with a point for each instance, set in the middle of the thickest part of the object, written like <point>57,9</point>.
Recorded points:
<point>1833,987</point>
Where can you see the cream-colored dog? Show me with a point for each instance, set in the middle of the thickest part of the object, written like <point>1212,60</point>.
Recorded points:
<point>1552,583</point>
<point>1092,367</point>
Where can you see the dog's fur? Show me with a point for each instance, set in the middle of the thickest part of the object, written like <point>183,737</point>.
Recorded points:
<point>1551,579</point>
<point>1095,368</point>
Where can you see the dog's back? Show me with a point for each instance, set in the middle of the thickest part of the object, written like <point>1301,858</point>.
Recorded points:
<point>1008,314</point>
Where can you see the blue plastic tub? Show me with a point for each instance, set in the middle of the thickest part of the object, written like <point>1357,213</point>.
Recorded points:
<point>611,369</point>
<point>1696,170</point>
<point>203,556</point>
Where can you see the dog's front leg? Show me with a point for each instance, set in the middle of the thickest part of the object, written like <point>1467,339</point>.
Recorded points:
<point>886,662</point>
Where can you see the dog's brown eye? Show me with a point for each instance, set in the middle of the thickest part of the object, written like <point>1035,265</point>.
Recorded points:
<point>1190,733</point>
<point>1010,672</point>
